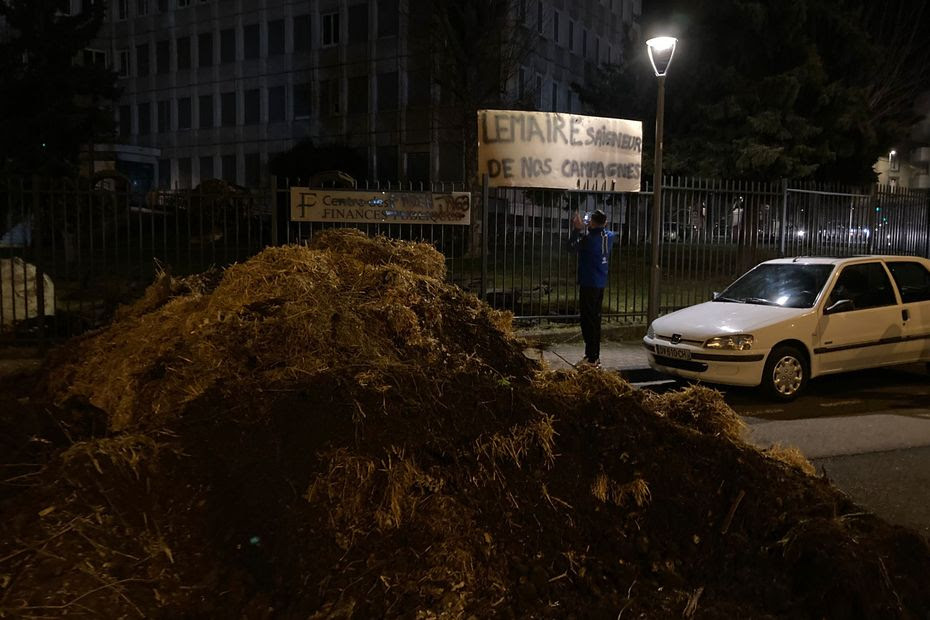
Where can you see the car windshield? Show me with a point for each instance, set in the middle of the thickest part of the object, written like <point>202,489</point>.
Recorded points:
<point>790,285</point>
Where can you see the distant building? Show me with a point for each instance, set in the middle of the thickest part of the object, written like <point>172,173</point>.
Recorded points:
<point>216,87</point>
<point>910,167</point>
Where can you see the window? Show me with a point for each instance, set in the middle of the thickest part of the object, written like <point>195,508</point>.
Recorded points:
<point>184,170</point>
<point>330,35</point>
<point>555,26</point>
<point>866,285</point>
<point>302,95</point>
<point>521,86</point>
<point>253,170</point>
<point>387,18</point>
<point>597,50</point>
<point>142,7</point>
<point>228,109</point>
<point>358,23</point>
<point>913,280</point>
<point>142,60</point>
<point>164,116</point>
<point>229,168</point>
<point>125,121</point>
<point>184,53</point>
<point>227,45</point>
<point>330,100</point>
<point>206,168</point>
<point>894,164</point>
<point>162,57</point>
<point>539,16</point>
<point>584,43</point>
<point>251,103</point>
<point>418,167</point>
<point>124,69</point>
<point>302,33</point>
<point>358,97</point>
<point>451,166</point>
<point>276,37</point>
<point>95,58</point>
<point>183,3</point>
<point>164,173</point>
<point>555,97</point>
<point>184,113</point>
<point>277,104</point>
<point>163,7</point>
<point>571,36</point>
<point>205,49</point>
<point>145,118</point>
<point>122,9</point>
<point>387,91</point>
<point>387,163</point>
<point>610,54</point>
<point>251,41</point>
<point>205,108</point>
<point>418,88</point>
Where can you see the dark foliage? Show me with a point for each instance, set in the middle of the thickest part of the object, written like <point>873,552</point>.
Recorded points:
<point>53,98</point>
<point>307,159</point>
<point>766,90</point>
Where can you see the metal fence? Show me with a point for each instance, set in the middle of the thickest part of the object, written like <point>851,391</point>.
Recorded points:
<point>72,251</point>
<point>712,231</point>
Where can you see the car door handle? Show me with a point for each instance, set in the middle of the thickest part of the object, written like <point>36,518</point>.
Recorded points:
<point>905,314</point>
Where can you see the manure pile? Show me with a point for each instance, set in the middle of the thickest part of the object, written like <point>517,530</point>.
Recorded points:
<point>335,432</point>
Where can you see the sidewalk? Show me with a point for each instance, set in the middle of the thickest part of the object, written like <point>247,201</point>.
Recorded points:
<point>628,357</point>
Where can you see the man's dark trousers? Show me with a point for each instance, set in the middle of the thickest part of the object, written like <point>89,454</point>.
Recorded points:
<point>591,298</point>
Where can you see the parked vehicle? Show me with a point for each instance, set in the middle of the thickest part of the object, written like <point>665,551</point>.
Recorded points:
<point>791,319</point>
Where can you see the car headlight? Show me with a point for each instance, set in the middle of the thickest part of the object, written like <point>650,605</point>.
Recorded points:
<point>650,333</point>
<point>737,342</point>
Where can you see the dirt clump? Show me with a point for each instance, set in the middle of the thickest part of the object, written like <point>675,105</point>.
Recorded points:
<point>334,432</point>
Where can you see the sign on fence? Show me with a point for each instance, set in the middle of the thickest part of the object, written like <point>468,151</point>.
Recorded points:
<point>325,205</point>
<point>559,151</point>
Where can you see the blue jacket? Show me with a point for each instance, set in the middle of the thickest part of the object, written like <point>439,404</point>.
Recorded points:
<point>593,250</point>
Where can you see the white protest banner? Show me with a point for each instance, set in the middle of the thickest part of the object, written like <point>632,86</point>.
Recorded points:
<point>559,151</point>
<point>369,207</point>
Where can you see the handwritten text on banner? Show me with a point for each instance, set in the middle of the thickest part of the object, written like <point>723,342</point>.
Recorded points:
<point>561,151</point>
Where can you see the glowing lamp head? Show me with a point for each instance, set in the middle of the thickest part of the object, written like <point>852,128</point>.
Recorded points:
<point>661,51</point>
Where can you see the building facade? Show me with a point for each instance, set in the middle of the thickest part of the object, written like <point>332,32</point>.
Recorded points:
<point>217,87</point>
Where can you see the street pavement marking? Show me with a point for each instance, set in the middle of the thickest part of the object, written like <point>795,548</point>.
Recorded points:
<point>840,403</point>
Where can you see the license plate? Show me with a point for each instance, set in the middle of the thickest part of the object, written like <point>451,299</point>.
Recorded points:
<point>678,354</point>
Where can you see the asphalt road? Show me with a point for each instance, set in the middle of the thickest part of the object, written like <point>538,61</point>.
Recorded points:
<point>869,432</point>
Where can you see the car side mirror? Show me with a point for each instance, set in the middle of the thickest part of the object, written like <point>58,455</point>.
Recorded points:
<point>714,295</point>
<point>843,305</point>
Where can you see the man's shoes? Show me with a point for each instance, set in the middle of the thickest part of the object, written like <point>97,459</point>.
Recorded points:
<point>586,363</point>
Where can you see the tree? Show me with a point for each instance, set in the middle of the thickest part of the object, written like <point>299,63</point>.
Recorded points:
<point>306,159</point>
<point>476,49</point>
<point>761,89</point>
<point>54,98</point>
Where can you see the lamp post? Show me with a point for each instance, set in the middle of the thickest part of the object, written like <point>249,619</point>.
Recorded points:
<point>661,50</point>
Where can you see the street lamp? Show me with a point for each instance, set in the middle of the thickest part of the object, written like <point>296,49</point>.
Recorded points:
<point>661,50</point>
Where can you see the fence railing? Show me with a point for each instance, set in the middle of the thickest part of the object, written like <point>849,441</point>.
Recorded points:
<point>71,251</point>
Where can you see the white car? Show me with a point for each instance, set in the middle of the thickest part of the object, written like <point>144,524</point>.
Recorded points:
<point>791,319</point>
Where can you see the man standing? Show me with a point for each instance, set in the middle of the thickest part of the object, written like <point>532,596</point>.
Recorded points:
<point>593,245</point>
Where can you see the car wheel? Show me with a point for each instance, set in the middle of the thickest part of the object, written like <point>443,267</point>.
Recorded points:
<point>786,372</point>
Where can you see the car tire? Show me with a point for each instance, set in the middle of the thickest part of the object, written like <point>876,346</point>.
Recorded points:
<point>786,373</point>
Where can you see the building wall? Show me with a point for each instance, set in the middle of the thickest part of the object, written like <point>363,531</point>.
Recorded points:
<point>336,71</point>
